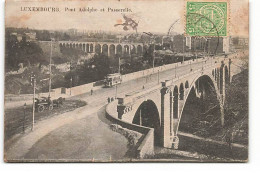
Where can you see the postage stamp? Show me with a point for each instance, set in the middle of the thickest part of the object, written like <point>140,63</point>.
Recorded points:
<point>206,18</point>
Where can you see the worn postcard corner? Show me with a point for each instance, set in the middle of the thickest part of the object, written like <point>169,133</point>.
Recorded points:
<point>126,81</point>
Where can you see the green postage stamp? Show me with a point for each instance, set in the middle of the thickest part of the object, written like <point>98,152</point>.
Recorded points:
<point>206,18</point>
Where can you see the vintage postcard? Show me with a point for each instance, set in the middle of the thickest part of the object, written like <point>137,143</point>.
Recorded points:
<point>126,81</point>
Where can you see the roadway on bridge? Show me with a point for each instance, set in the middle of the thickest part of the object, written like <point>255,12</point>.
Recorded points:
<point>88,136</point>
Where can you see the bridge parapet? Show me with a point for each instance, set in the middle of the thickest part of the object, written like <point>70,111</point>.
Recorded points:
<point>145,145</point>
<point>131,97</point>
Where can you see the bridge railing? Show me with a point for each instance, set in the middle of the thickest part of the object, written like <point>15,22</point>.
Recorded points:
<point>209,62</point>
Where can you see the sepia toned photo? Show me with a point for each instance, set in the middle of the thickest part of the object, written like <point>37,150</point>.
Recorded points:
<point>126,81</point>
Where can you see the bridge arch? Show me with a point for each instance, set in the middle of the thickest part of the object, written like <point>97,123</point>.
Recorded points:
<point>139,50</point>
<point>62,46</point>
<point>112,49</point>
<point>84,47</point>
<point>181,91</point>
<point>201,80</point>
<point>175,102</point>
<point>119,49</point>
<point>147,115</point>
<point>227,76</point>
<point>187,84</point>
<point>91,48</point>
<point>133,50</point>
<point>221,76</point>
<point>80,46</point>
<point>87,47</point>
<point>98,48</point>
<point>126,50</point>
<point>105,49</point>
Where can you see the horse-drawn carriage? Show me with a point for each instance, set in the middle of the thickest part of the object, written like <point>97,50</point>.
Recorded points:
<point>45,103</point>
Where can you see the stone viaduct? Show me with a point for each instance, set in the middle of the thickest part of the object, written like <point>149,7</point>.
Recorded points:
<point>107,48</point>
<point>165,102</point>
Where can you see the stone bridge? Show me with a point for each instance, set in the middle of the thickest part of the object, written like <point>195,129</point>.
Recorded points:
<point>161,106</point>
<point>107,48</point>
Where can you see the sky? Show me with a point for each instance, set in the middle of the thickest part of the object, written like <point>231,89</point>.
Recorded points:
<point>155,17</point>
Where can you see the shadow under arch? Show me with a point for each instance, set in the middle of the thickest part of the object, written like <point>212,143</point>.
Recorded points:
<point>227,76</point>
<point>105,49</point>
<point>112,50</point>
<point>206,86</point>
<point>98,48</point>
<point>119,49</point>
<point>148,115</point>
<point>139,50</point>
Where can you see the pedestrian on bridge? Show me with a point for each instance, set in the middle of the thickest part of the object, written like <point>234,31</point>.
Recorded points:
<point>91,91</point>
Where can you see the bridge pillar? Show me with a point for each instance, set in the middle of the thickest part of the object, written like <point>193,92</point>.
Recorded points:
<point>165,118</point>
<point>120,111</point>
<point>171,114</point>
<point>108,51</point>
<point>85,47</point>
<point>229,70</point>
<point>101,50</point>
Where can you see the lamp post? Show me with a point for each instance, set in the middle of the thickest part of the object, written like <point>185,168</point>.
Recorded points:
<point>195,46</point>
<point>50,71</point>
<point>209,46</point>
<point>183,48</point>
<point>119,64</point>
<point>70,77</point>
<point>116,92</point>
<point>24,108</point>
<point>158,76</point>
<point>70,84</point>
<point>34,86</point>
<point>153,56</point>
<point>175,69</point>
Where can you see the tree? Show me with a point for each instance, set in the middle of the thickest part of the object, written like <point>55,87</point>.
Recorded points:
<point>43,35</point>
<point>24,52</point>
<point>66,37</point>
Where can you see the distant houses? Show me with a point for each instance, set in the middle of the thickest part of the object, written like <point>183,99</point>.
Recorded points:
<point>27,36</point>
